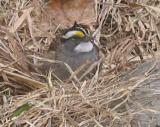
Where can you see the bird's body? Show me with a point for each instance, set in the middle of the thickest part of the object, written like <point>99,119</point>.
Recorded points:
<point>74,59</point>
<point>74,51</point>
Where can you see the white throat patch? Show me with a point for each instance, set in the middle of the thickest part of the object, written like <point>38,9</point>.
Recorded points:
<point>84,47</point>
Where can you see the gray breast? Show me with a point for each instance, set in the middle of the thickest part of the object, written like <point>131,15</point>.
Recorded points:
<point>74,60</point>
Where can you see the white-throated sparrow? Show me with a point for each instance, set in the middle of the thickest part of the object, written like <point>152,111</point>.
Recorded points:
<point>76,49</point>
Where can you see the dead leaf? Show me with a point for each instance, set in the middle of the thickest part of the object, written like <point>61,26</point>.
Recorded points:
<point>66,12</point>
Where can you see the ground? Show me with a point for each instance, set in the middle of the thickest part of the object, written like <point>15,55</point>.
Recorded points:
<point>125,92</point>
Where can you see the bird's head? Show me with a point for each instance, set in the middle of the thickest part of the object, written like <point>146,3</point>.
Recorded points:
<point>78,36</point>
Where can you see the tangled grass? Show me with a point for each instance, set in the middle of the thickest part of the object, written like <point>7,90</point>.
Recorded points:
<point>126,32</point>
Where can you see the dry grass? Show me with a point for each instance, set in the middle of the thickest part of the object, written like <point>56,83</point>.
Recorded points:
<point>126,33</point>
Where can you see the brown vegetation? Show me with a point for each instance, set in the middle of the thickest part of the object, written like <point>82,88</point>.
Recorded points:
<point>127,34</point>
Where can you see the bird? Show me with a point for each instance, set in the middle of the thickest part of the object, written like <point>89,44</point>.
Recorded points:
<point>75,52</point>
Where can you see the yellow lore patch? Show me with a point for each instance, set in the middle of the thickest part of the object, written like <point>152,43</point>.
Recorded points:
<point>74,33</point>
<point>79,34</point>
